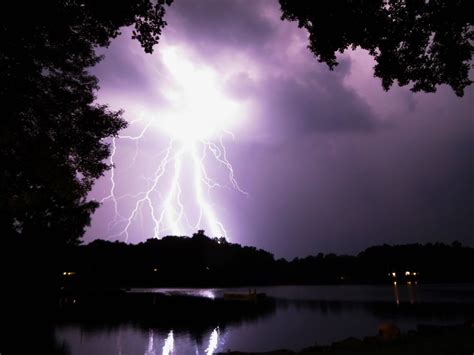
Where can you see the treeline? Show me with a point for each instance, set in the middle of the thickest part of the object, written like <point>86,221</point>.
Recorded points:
<point>202,261</point>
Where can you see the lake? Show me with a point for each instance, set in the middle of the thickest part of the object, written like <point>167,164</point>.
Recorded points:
<point>301,317</point>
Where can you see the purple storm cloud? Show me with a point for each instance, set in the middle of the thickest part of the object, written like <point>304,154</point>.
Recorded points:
<point>329,160</point>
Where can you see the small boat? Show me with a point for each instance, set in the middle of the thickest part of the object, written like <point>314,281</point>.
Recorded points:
<point>251,296</point>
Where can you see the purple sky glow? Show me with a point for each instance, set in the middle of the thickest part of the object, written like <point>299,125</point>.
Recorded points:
<point>324,161</point>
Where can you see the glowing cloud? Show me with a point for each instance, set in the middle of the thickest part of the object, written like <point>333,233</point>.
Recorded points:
<point>199,110</point>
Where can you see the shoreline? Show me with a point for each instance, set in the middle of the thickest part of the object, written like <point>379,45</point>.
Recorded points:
<point>426,340</point>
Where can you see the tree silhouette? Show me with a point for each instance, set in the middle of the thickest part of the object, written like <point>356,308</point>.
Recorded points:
<point>204,262</point>
<point>426,43</point>
<point>52,141</point>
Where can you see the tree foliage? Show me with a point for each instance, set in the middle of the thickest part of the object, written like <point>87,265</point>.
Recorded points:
<point>425,43</point>
<point>53,137</point>
<point>203,262</point>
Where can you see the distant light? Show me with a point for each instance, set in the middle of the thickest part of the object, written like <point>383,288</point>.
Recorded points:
<point>394,274</point>
<point>395,283</point>
<point>407,273</point>
<point>155,270</point>
<point>69,273</point>
<point>408,282</point>
<point>414,274</point>
<point>342,277</point>
<point>207,293</point>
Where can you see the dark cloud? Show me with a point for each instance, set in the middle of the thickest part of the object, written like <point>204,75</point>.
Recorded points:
<point>316,103</point>
<point>410,182</point>
<point>215,24</point>
<point>122,72</point>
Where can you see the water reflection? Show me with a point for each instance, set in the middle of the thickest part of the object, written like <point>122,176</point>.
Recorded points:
<point>119,342</point>
<point>206,293</point>
<point>396,291</point>
<point>315,314</point>
<point>213,342</point>
<point>412,290</point>
<point>150,350</point>
<point>169,344</point>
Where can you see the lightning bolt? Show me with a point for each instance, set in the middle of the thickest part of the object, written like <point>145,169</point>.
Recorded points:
<point>170,216</point>
<point>195,120</point>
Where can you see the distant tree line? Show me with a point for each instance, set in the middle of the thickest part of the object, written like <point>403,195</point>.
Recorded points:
<point>202,261</point>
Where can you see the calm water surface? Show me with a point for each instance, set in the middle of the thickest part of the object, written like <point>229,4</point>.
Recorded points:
<point>303,316</point>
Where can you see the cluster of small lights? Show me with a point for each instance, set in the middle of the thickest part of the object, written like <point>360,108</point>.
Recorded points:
<point>407,274</point>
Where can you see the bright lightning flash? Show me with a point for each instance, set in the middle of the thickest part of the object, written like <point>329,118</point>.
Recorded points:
<point>196,118</point>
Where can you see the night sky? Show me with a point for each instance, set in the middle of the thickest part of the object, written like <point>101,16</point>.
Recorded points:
<point>330,162</point>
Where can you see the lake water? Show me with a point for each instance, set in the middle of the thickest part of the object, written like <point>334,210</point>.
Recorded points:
<point>303,316</point>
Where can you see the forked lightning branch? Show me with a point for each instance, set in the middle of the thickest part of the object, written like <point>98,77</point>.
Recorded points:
<point>195,121</point>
